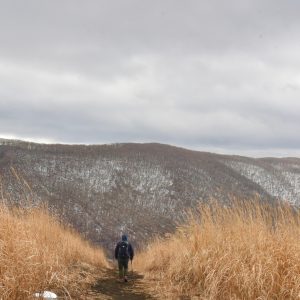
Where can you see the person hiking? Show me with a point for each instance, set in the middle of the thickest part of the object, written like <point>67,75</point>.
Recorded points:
<point>123,252</point>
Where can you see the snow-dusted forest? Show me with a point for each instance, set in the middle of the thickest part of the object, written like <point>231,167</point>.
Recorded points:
<point>141,189</point>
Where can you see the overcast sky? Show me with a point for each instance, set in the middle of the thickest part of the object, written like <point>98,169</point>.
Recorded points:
<point>221,76</point>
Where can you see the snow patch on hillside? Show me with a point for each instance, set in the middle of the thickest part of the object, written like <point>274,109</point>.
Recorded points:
<point>284,185</point>
<point>149,181</point>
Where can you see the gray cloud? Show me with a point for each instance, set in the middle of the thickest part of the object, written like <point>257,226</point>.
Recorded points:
<point>212,75</point>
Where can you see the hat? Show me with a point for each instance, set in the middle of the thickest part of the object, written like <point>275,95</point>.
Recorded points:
<point>124,237</point>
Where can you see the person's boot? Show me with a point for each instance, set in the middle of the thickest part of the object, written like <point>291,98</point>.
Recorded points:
<point>125,279</point>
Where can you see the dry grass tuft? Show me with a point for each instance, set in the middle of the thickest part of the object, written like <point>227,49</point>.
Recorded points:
<point>247,251</point>
<point>38,253</point>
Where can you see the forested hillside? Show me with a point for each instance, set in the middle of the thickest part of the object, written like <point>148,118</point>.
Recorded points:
<point>140,189</point>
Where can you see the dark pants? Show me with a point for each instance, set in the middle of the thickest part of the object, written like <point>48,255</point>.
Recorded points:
<point>123,266</point>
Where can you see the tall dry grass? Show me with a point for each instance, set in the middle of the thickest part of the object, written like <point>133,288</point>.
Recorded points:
<point>38,253</point>
<point>246,251</point>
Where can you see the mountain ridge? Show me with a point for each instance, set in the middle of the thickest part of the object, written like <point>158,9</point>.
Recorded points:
<point>142,189</point>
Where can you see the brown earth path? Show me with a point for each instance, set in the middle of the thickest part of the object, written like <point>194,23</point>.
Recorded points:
<point>108,287</point>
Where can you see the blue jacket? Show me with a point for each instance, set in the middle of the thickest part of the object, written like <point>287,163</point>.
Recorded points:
<point>130,250</point>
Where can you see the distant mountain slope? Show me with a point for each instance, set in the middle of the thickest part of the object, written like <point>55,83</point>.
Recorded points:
<point>142,189</point>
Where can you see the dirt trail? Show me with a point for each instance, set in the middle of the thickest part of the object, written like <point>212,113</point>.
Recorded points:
<point>107,287</point>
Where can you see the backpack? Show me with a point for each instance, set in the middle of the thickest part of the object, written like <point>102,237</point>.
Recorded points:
<point>123,250</point>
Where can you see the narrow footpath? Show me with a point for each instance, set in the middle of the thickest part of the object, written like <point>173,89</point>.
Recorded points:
<point>108,287</point>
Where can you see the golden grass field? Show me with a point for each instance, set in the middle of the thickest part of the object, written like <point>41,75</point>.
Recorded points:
<point>247,251</point>
<point>38,253</point>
